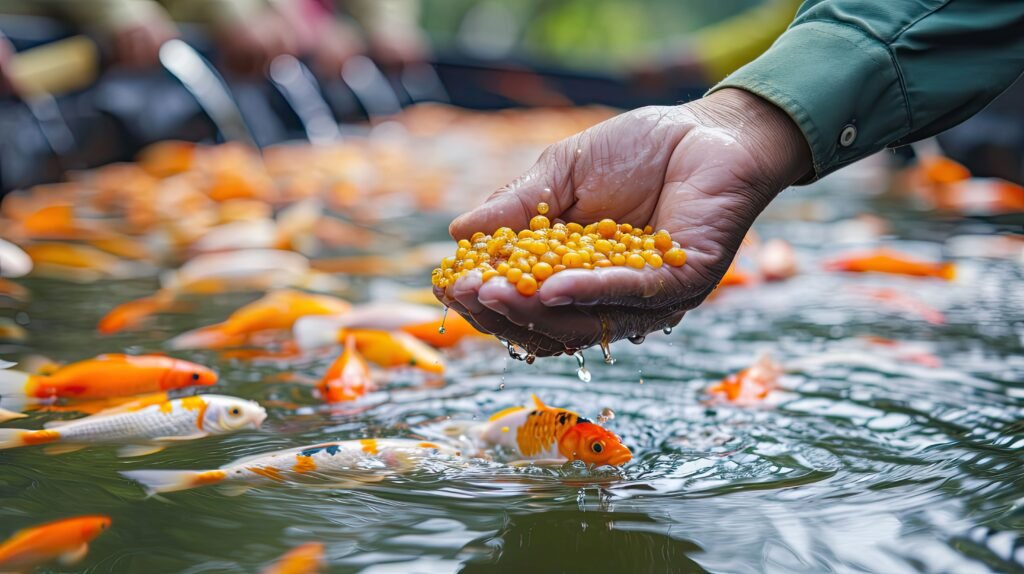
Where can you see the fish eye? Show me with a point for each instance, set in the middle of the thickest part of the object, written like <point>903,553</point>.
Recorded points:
<point>235,411</point>
<point>597,447</point>
<point>195,376</point>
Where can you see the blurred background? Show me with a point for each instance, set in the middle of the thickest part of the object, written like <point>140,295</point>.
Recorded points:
<point>89,82</point>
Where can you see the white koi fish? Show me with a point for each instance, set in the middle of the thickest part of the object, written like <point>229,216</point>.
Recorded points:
<point>146,428</point>
<point>329,463</point>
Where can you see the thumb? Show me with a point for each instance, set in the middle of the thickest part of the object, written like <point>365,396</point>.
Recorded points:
<point>514,205</point>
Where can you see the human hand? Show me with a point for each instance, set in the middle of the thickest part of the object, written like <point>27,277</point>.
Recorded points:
<point>702,171</point>
<point>137,44</point>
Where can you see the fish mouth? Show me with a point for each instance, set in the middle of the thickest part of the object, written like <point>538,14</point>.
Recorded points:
<point>620,458</point>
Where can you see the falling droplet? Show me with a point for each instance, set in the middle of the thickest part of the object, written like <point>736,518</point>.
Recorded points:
<point>501,386</point>
<point>637,339</point>
<point>443,318</point>
<point>641,373</point>
<point>513,352</point>
<point>608,414</point>
<point>581,367</point>
<point>530,358</point>
<point>667,330</point>
<point>607,352</point>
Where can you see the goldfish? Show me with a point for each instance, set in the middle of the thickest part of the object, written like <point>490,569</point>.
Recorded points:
<point>82,263</point>
<point>776,260</point>
<point>396,349</point>
<point>132,314</point>
<point>447,331</point>
<point>348,377</point>
<point>894,262</point>
<point>751,385</point>
<point>145,429</point>
<point>105,376</point>
<point>539,433</point>
<point>325,463</point>
<point>307,558</point>
<point>66,540</point>
<point>278,310</point>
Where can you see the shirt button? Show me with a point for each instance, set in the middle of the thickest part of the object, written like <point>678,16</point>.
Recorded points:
<point>848,135</point>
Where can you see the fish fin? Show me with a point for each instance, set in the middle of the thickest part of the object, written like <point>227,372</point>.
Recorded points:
<point>6,415</point>
<point>14,438</point>
<point>13,382</point>
<point>233,489</point>
<point>537,402</point>
<point>6,364</point>
<point>507,411</point>
<point>63,449</point>
<point>157,481</point>
<point>183,437</point>
<point>73,556</point>
<point>131,450</point>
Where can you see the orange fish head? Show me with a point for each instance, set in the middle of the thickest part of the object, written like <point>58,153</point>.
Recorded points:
<point>186,374</point>
<point>594,445</point>
<point>92,526</point>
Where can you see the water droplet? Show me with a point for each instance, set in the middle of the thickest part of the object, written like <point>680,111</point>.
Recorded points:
<point>667,330</point>
<point>513,352</point>
<point>637,339</point>
<point>641,373</point>
<point>501,386</point>
<point>530,358</point>
<point>581,367</point>
<point>443,318</point>
<point>607,414</point>
<point>607,352</point>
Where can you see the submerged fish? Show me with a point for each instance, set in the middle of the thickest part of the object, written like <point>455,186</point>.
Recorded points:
<point>751,385</point>
<point>112,375</point>
<point>539,433</point>
<point>65,540</point>
<point>396,349</point>
<point>307,558</point>
<point>893,262</point>
<point>348,377</point>
<point>278,310</point>
<point>326,463</point>
<point>147,428</point>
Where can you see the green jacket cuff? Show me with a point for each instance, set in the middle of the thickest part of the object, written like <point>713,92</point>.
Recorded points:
<point>841,87</point>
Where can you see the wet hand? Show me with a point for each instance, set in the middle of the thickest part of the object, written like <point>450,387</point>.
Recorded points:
<point>702,171</point>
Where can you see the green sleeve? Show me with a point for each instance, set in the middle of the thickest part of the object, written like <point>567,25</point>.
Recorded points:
<point>858,76</point>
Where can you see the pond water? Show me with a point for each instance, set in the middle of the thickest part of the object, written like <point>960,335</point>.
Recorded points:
<point>887,458</point>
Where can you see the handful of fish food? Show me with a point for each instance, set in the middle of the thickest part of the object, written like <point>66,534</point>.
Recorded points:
<point>529,257</point>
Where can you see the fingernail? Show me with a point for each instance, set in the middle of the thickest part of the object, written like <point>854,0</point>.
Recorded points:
<point>557,300</point>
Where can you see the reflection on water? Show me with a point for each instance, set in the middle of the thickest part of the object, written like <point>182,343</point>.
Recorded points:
<point>874,457</point>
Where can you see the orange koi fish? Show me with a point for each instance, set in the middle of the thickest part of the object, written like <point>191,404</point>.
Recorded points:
<point>421,321</point>
<point>348,377</point>
<point>81,263</point>
<point>889,261</point>
<point>305,559</point>
<point>456,328</point>
<point>751,385</point>
<point>538,433</point>
<point>112,375</point>
<point>64,540</point>
<point>396,349</point>
<point>132,314</point>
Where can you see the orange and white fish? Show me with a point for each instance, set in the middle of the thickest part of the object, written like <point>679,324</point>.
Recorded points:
<point>81,263</point>
<point>105,376</point>
<point>278,310</point>
<point>749,386</point>
<point>307,558</point>
<point>327,331</point>
<point>66,541</point>
<point>348,377</point>
<point>889,261</point>
<point>396,349</point>
<point>538,433</point>
<point>328,463</point>
<point>146,429</point>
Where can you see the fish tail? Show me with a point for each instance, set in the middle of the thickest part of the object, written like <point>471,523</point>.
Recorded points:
<point>7,415</point>
<point>157,481</point>
<point>131,314</point>
<point>14,438</point>
<point>948,271</point>
<point>14,383</point>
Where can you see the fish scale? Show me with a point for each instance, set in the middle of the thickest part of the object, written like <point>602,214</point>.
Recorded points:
<point>147,423</point>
